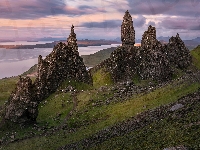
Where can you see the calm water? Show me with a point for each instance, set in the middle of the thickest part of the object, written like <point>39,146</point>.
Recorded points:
<point>16,61</point>
<point>24,43</point>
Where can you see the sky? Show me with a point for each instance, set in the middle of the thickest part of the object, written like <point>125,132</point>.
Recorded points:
<point>97,19</point>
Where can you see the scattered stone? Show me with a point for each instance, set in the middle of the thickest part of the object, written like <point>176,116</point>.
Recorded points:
<point>176,107</point>
<point>12,136</point>
<point>176,148</point>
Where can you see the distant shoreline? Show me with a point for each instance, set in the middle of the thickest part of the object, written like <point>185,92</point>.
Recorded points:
<point>81,43</point>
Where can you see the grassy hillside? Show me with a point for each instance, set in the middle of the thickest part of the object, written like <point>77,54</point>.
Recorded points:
<point>82,114</point>
<point>7,85</point>
<point>196,56</point>
<point>89,116</point>
<point>33,69</point>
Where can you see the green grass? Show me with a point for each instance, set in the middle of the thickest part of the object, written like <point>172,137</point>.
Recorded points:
<point>101,78</point>
<point>59,103</point>
<point>151,100</point>
<point>196,56</point>
<point>97,118</point>
<point>77,85</point>
<point>6,87</point>
<point>54,109</point>
<point>165,133</point>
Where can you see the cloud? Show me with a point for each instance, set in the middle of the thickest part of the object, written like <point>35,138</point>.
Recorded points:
<point>85,7</point>
<point>139,21</point>
<point>104,24</point>
<point>166,7</point>
<point>24,9</point>
<point>180,23</point>
<point>151,23</point>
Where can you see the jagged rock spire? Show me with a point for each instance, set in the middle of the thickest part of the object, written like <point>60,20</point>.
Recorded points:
<point>127,30</point>
<point>71,40</point>
<point>149,37</point>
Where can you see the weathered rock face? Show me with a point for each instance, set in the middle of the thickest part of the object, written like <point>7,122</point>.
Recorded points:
<point>61,64</point>
<point>149,38</point>
<point>177,53</point>
<point>127,30</point>
<point>71,40</point>
<point>22,106</point>
<point>153,64</point>
<point>150,61</point>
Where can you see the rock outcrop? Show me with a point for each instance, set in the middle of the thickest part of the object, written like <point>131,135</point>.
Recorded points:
<point>63,63</point>
<point>177,53</point>
<point>127,30</point>
<point>149,38</point>
<point>72,41</point>
<point>150,61</point>
<point>22,104</point>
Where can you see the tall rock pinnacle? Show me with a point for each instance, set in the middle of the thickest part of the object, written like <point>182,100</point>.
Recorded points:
<point>149,38</point>
<point>71,40</point>
<point>127,30</point>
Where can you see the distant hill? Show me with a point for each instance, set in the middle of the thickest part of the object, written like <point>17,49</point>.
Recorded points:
<point>81,43</point>
<point>94,59</point>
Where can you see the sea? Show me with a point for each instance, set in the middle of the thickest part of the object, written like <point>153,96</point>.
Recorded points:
<point>14,62</point>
